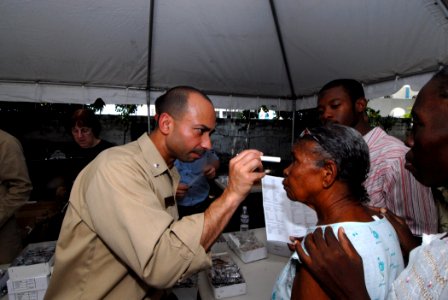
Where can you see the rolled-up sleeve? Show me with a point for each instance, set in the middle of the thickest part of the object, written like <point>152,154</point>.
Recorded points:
<point>127,212</point>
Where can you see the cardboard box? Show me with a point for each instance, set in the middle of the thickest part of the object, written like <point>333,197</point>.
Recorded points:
<point>28,285</point>
<point>247,247</point>
<point>220,245</point>
<point>187,288</point>
<point>33,295</point>
<point>35,260</point>
<point>278,248</point>
<point>225,278</point>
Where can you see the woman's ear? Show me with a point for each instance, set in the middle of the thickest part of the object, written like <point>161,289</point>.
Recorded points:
<point>329,174</point>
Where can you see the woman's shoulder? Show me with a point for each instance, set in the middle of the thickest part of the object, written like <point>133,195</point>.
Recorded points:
<point>104,144</point>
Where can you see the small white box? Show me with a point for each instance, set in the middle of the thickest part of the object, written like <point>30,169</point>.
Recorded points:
<point>225,277</point>
<point>248,248</point>
<point>28,285</point>
<point>33,295</point>
<point>220,245</point>
<point>278,248</point>
<point>35,260</point>
<point>187,289</point>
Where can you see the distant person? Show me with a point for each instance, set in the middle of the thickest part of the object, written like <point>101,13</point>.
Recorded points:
<point>15,190</point>
<point>329,166</point>
<point>389,184</point>
<point>192,195</point>
<point>85,129</point>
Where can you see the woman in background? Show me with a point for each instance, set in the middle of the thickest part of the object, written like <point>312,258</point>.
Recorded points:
<point>85,129</point>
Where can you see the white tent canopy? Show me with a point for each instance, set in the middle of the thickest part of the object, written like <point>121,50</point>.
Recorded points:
<point>243,53</point>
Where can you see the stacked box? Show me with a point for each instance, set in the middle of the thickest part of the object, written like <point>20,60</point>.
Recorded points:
<point>31,288</point>
<point>225,277</point>
<point>187,289</point>
<point>29,273</point>
<point>279,248</point>
<point>220,245</point>
<point>246,246</point>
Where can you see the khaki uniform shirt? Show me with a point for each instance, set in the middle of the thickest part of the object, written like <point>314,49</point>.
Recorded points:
<point>120,238</point>
<point>15,183</point>
<point>15,189</point>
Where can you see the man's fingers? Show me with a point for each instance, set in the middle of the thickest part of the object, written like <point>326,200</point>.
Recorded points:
<point>318,240</point>
<point>346,245</point>
<point>304,258</point>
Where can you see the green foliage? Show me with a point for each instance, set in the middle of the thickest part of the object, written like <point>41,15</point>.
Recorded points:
<point>98,105</point>
<point>125,110</point>
<point>375,119</point>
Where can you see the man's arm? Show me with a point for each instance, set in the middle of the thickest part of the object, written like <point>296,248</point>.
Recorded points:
<point>242,176</point>
<point>15,187</point>
<point>334,264</point>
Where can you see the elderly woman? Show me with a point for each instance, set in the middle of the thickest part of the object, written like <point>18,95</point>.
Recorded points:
<point>327,173</point>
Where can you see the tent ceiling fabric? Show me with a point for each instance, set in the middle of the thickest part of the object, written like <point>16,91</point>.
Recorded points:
<point>77,51</point>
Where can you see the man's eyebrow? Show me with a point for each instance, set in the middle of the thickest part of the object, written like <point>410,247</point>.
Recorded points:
<point>206,128</point>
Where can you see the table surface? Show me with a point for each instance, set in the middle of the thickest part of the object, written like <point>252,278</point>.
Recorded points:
<point>260,275</point>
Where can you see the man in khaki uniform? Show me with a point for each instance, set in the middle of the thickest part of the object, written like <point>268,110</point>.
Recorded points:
<point>15,190</point>
<point>121,237</point>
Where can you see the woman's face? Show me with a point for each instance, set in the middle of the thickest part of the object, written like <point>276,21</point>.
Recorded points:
<point>83,136</point>
<point>302,177</point>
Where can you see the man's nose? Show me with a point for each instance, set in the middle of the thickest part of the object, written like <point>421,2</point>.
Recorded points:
<point>206,142</point>
<point>409,141</point>
<point>326,115</point>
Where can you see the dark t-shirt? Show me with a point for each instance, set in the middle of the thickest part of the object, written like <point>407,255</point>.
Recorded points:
<point>89,153</point>
<point>81,157</point>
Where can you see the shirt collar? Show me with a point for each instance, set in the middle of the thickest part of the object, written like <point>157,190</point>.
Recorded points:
<point>152,156</point>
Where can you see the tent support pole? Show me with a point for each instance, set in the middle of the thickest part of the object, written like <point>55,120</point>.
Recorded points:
<point>286,63</point>
<point>282,48</point>
<point>148,73</point>
<point>293,130</point>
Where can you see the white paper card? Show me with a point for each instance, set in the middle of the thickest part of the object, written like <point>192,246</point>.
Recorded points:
<point>283,217</point>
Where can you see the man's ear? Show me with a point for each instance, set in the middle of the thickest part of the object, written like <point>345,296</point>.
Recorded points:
<point>361,105</point>
<point>165,123</point>
<point>329,173</point>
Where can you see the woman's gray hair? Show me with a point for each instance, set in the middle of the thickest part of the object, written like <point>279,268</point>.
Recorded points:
<point>346,147</point>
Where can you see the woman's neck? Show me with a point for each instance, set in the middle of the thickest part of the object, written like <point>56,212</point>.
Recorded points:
<point>342,209</point>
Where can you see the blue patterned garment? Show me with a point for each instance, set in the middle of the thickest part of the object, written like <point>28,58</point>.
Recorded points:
<point>192,174</point>
<point>377,244</point>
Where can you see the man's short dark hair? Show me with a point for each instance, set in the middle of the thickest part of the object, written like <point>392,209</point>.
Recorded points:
<point>174,101</point>
<point>351,86</point>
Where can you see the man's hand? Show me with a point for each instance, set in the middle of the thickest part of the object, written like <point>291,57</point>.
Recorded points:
<point>181,191</point>
<point>242,176</point>
<point>210,172</point>
<point>334,264</point>
<point>243,173</point>
<point>294,240</point>
<point>408,241</point>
